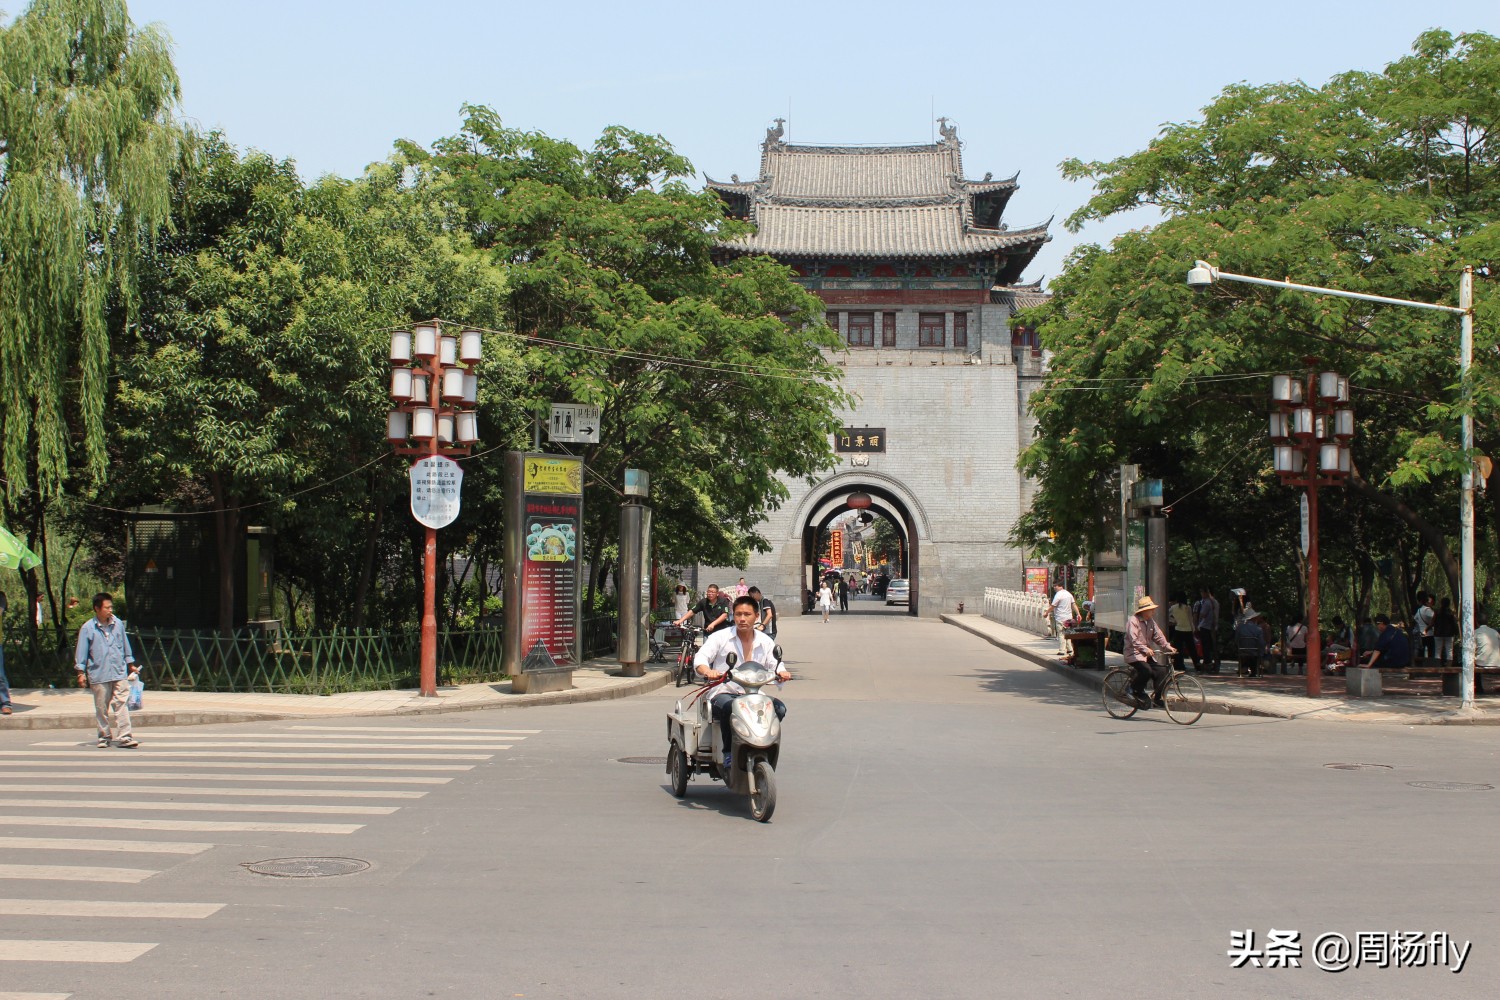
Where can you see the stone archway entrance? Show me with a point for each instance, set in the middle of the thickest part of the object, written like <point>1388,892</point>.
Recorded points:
<point>888,498</point>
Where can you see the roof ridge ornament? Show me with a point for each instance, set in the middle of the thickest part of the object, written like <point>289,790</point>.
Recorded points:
<point>948,131</point>
<point>773,135</point>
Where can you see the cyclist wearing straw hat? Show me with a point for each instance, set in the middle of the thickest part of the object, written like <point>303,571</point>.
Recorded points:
<point>1141,634</point>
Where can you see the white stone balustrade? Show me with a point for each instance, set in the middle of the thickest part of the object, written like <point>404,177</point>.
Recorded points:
<point>1016,608</point>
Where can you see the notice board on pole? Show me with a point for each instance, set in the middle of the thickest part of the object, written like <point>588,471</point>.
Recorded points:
<point>543,539</point>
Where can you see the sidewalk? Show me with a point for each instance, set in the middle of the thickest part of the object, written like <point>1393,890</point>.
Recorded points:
<point>1276,697</point>
<point>73,708</point>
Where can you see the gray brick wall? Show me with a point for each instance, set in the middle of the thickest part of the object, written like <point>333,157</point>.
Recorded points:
<point>953,430</point>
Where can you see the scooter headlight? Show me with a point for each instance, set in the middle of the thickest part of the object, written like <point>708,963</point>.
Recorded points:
<point>740,728</point>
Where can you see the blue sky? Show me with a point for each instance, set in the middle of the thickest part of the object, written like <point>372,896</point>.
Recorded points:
<point>332,83</point>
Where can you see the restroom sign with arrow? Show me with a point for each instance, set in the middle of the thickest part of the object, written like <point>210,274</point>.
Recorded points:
<point>574,423</point>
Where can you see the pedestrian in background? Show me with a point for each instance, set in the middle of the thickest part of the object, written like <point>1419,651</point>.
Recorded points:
<point>1444,630</point>
<point>679,601</point>
<point>767,611</point>
<point>825,600</point>
<point>1064,610</point>
<point>1421,622</point>
<point>740,590</point>
<point>1180,615</point>
<point>106,664</point>
<point>1206,621</point>
<point>843,594</point>
<point>5,708</point>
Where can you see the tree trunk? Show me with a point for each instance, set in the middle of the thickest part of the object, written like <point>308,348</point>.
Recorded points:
<point>226,531</point>
<point>367,564</point>
<point>1430,535</point>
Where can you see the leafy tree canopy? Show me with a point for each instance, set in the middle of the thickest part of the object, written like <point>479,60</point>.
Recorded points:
<point>1377,182</point>
<point>709,373</point>
<point>87,141</point>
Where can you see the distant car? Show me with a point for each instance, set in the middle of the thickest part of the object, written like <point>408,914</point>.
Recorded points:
<point>898,592</point>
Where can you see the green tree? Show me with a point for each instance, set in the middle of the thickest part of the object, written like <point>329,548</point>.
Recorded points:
<point>1378,182</point>
<point>709,373</point>
<point>87,142</point>
<point>259,374</point>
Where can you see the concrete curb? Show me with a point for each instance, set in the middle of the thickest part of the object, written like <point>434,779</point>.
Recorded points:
<point>1095,678</point>
<point>625,687</point>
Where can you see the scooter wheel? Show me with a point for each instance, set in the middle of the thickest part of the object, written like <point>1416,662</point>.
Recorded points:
<point>677,770</point>
<point>763,802</point>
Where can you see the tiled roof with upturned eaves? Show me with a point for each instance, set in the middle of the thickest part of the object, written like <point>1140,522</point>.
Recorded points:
<point>889,201</point>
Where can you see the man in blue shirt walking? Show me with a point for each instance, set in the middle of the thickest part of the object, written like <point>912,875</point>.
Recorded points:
<point>106,664</point>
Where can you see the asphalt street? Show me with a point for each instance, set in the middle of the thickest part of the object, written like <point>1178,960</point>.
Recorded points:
<point>952,822</point>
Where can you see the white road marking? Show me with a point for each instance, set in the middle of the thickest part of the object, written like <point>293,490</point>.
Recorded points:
<point>122,846</point>
<point>105,908</point>
<point>128,762</point>
<point>198,806</point>
<point>313,734</point>
<point>371,779</point>
<point>255,755</point>
<point>210,744</point>
<point>72,951</point>
<point>311,793</point>
<point>124,762</point>
<point>34,996</point>
<point>195,826</point>
<point>409,729</point>
<point>75,873</point>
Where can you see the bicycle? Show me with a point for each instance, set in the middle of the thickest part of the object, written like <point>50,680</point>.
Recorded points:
<point>1181,696</point>
<point>682,673</point>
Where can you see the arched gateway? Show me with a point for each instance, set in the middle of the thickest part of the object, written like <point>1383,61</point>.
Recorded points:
<point>920,278</point>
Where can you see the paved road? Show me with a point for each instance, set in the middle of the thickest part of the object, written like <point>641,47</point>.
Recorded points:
<point>952,823</point>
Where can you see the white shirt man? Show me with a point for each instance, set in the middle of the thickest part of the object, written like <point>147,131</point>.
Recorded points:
<point>746,643</point>
<point>1064,607</point>
<point>1486,646</point>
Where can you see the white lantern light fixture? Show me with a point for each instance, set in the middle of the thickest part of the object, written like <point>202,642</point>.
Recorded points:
<point>471,347</point>
<point>419,388</point>
<point>471,388</point>
<point>1280,427</point>
<point>395,427</point>
<point>1328,386</point>
<point>1334,459</point>
<point>1281,388</point>
<point>1343,396</point>
<point>468,427</point>
<point>425,336</point>
<point>1286,459</point>
<point>401,384</point>
<point>401,347</point>
<point>1302,422</point>
<point>423,422</point>
<point>445,427</point>
<point>453,383</point>
<point>448,350</point>
<point>1343,424</point>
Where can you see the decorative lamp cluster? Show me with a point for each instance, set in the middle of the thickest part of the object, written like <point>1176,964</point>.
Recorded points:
<point>435,386</point>
<point>1311,427</point>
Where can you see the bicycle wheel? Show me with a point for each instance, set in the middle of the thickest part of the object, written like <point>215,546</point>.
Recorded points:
<point>684,665</point>
<point>1119,701</point>
<point>1184,698</point>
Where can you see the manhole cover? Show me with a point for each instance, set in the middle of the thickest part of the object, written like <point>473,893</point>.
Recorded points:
<point>642,760</point>
<point>307,867</point>
<point>1453,786</point>
<point>1359,767</point>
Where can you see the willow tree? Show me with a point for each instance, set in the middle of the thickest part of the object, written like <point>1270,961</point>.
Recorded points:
<point>87,140</point>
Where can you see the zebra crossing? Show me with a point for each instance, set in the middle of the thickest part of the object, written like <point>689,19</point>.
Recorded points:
<point>313,780</point>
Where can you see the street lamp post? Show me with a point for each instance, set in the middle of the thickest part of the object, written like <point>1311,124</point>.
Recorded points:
<point>434,384</point>
<point>1204,274</point>
<point>1311,427</point>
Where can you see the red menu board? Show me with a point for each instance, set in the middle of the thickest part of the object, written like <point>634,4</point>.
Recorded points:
<point>549,579</point>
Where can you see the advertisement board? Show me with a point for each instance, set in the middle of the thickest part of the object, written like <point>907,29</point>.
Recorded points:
<point>1036,580</point>
<point>544,522</point>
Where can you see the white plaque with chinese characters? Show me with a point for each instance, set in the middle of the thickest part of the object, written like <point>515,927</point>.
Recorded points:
<point>435,485</point>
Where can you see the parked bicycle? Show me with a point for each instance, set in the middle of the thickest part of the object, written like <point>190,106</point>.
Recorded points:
<point>1180,695</point>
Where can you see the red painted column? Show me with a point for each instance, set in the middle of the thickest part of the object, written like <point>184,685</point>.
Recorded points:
<point>1314,637</point>
<point>428,680</point>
